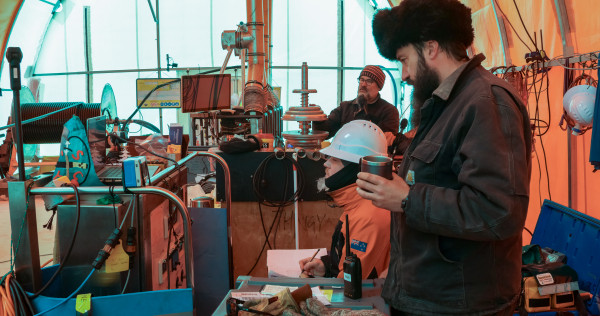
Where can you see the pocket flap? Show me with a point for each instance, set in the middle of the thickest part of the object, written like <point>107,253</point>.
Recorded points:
<point>426,151</point>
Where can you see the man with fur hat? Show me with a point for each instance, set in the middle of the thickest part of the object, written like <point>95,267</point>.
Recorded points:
<point>459,201</point>
<point>369,225</point>
<point>368,105</point>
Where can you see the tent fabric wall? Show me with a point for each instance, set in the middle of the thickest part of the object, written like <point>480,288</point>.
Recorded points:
<point>8,15</point>
<point>582,34</point>
<point>125,39</point>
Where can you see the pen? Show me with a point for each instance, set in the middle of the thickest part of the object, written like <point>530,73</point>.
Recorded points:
<point>311,259</point>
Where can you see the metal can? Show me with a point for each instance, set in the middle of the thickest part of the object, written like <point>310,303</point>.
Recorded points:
<point>379,165</point>
<point>203,202</point>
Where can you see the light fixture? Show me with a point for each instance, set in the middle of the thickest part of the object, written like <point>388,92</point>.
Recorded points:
<point>171,63</point>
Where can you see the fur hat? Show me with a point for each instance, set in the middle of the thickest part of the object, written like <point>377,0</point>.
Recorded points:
<point>415,21</point>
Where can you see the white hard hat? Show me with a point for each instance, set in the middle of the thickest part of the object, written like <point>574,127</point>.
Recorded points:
<point>578,102</point>
<point>355,140</point>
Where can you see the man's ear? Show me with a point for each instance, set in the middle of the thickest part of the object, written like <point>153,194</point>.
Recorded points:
<point>431,49</point>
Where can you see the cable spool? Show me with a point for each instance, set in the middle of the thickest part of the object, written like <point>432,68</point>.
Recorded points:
<point>49,130</point>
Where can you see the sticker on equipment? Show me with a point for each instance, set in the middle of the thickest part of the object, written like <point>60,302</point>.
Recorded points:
<point>544,278</point>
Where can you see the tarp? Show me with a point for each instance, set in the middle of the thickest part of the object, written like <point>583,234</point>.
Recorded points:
<point>8,14</point>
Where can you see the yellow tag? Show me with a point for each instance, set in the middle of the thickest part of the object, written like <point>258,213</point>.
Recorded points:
<point>174,149</point>
<point>83,304</point>
<point>327,293</point>
<point>58,182</point>
<point>118,261</point>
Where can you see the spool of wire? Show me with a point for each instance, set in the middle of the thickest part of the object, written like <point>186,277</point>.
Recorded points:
<point>49,129</point>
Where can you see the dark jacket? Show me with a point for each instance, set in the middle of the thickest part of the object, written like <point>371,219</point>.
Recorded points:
<point>457,247</point>
<point>380,112</point>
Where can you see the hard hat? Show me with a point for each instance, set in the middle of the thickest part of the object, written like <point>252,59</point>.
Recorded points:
<point>355,140</point>
<point>578,102</point>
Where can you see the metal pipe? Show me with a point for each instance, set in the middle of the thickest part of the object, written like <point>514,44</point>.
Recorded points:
<point>163,174</point>
<point>213,69</point>
<point>269,29</point>
<point>304,97</point>
<point>243,59</point>
<point>229,50</point>
<point>256,52</point>
<point>160,111</point>
<point>141,190</point>
<point>18,134</point>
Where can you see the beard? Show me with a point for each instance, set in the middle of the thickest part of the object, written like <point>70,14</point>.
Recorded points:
<point>321,187</point>
<point>427,80</point>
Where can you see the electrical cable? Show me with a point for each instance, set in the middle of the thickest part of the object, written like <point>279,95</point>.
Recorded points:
<point>46,263</point>
<point>24,295</point>
<point>525,27</point>
<point>539,124</point>
<point>70,295</point>
<point>287,176</point>
<point>69,250</point>
<point>134,201</point>
<point>258,181</point>
<point>393,85</point>
<point>537,158</point>
<point>511,26</point>
<point>265,243</point>
<point>126,282</point>
<point>111,191</point>
<point>262,222</point>
<point>167,261</point>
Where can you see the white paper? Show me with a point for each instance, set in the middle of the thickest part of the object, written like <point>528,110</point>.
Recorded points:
<point>271,289</point>
<point>248,296</point>
<point>316,292</point>
<point>286,262</point>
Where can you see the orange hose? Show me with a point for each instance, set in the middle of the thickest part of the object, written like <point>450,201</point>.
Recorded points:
<point>45,264</point>
<point>8,308</point>
<point>8,297</point>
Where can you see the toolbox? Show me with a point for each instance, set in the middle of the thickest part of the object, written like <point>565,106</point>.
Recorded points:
<point>578,237</point>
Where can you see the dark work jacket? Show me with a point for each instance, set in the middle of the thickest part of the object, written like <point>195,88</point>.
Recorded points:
<point>380,112</point>
<point>456,249</point>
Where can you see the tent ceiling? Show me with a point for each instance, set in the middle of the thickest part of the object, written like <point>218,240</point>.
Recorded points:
<point>567,27</point>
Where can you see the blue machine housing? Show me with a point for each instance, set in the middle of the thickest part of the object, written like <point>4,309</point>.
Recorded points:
<point>135,172</point>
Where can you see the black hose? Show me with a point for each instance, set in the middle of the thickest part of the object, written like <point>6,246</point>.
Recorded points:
<point>68,254</point>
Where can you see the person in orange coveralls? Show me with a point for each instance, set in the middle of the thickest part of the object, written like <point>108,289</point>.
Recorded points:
<point>369,225</point>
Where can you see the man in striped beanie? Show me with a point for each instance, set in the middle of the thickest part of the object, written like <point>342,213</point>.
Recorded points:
<point>368,105</point>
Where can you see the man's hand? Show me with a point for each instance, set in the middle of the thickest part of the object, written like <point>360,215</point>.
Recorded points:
<point>389,138</point>
<point>316,267</point>
<point>386,194</point>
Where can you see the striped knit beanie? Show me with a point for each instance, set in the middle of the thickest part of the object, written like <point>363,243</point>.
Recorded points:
<point>375,73</point>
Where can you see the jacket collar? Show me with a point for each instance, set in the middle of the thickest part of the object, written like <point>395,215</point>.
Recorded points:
<point>445,88</point>
<point>346,195</point>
